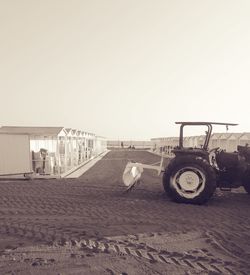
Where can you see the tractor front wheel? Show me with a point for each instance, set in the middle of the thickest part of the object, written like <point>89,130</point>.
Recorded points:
<point>189,179</point>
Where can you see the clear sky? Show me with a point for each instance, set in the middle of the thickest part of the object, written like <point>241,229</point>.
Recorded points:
<point>124,68</point>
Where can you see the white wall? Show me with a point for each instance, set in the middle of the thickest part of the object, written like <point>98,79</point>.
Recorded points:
<point>14,154</point>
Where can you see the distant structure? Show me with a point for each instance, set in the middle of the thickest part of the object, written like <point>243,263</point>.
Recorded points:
<point>226,141</point>
<point>129,144</point>
<point>50,151</point>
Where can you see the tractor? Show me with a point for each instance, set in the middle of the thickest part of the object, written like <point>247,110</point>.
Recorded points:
<point>194,173</point>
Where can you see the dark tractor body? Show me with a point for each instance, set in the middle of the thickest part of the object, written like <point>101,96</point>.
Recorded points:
<point>194,173</point>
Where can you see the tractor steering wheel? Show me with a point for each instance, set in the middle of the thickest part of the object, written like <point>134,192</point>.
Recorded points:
<point>214,150</point>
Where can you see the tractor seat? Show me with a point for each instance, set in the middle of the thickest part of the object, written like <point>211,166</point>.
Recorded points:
<point>227,160</point>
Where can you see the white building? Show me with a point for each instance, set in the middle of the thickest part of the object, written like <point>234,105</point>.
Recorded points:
<point>51,150</point>
<point>226,141</point>
<point>15,154</point>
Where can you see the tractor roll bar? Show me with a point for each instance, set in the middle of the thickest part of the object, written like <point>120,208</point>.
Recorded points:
<point>208,134</point>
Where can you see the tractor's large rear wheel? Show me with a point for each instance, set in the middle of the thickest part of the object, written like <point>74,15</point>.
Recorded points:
<point>189,179</point>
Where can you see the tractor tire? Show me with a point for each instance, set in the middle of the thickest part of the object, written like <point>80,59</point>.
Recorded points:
<point>246,181</point>
<point>189,179</point>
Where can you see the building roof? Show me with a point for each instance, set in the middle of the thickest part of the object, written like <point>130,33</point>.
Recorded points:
<point>245,136</point>
<point>39,131</point>
<point>225,135</point>
<point>68,130</point>
<point>235,136</point>
<point>216,135</point>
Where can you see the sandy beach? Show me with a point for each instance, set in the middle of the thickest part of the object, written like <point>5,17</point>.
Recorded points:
<point>89,225</point>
